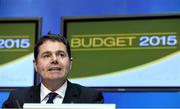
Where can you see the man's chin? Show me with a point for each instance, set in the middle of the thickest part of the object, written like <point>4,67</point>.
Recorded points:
<point>54,72</point>
<point>55,78</point>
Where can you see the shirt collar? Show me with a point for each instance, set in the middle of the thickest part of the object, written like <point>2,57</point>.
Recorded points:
<point>60,91</point>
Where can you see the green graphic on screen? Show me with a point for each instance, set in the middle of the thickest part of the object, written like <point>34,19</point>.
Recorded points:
<point>17,39</point>
<point>103,48</point>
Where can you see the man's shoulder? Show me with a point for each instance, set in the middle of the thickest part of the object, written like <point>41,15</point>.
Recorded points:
<point>20,90</point>
<point>23,91</point>
<point>83,89</point>
<point>19,96</point>
<point>85,94</point>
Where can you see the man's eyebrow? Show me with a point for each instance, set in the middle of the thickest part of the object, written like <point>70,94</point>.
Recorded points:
<point>61,51</point>
<point>46,52</point>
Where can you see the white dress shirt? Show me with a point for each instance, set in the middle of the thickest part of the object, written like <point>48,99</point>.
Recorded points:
<point>58,99</point>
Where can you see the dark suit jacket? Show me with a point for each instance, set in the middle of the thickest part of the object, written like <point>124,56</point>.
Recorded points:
<point>74,94</point>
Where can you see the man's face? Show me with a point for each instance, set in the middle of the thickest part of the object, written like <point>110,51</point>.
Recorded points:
<point>53,62</point>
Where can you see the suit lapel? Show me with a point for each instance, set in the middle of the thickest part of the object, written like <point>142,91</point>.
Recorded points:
<point>33,95</point>
<point>71,94</point>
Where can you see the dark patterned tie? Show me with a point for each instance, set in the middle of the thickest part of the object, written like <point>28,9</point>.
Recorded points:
<point>52,95</point>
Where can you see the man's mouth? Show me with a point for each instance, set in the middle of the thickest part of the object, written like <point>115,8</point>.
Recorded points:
<point>54,69</point>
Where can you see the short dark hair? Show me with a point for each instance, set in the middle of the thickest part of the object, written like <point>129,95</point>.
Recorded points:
<point>52,37</point>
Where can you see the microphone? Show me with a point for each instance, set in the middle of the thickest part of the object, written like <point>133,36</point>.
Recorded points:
<point>18,104</point>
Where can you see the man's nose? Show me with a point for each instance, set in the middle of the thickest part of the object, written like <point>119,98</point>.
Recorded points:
<point>54,58</point>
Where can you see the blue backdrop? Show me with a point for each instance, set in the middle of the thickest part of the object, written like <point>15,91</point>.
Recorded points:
<point>51,12</point>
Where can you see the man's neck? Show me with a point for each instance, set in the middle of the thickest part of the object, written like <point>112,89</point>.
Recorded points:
<point>53,85</point>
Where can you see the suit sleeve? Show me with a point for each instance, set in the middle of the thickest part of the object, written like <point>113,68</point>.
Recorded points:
<point>11,102</point>
<point>89,95</point>
<point>6,104</point>
<point>99,98</point>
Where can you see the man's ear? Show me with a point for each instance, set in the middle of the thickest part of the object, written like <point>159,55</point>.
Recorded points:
<point>71,61</point>
<point>35,64</point>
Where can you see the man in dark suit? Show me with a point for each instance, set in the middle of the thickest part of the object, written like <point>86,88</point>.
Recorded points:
<point>53,61</point>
